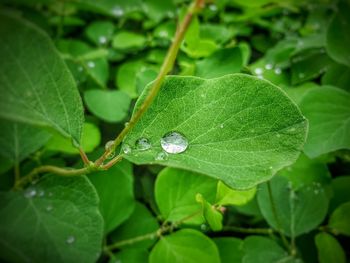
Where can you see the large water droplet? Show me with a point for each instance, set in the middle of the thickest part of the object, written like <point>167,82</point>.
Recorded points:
<point>258,71</point>
<point>126,148</point>
<point>102,40</point>
<point>174,142</point>
<point>91,64</point>
<point>162,156</point>
<point>117,11</point>
<point>143,144</point>
<point>30,192</point>
<point>70,240</point>
<point>268,66</point>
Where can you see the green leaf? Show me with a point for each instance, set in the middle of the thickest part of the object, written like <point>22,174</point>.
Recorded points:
<point>18,140</point>
<point>339,220</point>
<point>264,70</point>
<point>210,213</point>
<point>329,249</point>
<point>158,9</point>
<point>110,106</point>
<point>230,249</point>
<point>337,75</point>
<point>338,37</point>
<point>186,245</point>
<point>130,256</point>
<point>35,84</point>
<point>220,63</point>
<point>100,32</point>
<point>115,190</point>
<point>141,222</point>
<point>175,193</point>
<point>298,210</point>
<point>262,249</point>
<point>230,124</point>
<point>328,112</point>
<point>91,138</point>
<point>227,196</point>
<point>56,220</point>
<point>128,40</point>
<point>341,193</point>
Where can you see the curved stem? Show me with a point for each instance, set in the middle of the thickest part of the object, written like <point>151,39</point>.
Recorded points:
<point>262,231</point>
<point>165,69</point>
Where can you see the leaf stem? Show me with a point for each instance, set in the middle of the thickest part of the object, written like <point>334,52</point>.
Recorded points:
<point>83,156</point>
<point>275,214</point>
<point>165,69</point>
<point>262,231</point>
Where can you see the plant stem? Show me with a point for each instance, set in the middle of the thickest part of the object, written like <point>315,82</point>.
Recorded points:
<point>262,231</point>
<point>84,156</point>
<point>165,69</point>
<point>50,169</point>
<point>275,214</point>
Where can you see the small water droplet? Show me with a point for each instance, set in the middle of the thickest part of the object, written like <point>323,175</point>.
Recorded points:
<point>260,77</point>
<point>126,148</point>
<point>41,193</point>
<point>174,142</point>
<point>30,192</point>
<point>204,227</point>
<point>70,240</point>
<point>258,71</point>
<point>109,145</point>
<point>278,135</point>
<point>162,156</point>
<point>278,71</point>
<point>316,191</point>
<point>163,34</point>
<point>301,75</point>
<point>117,11</point>
<point>268,66</point>
<point>143,144</point>
<point>221,125</point>
<point>102,40</point>
<point>91,64</point>
<point>203,95</point>
<point>270,167</point>
<point>49,208</point>
<point>213,8</point>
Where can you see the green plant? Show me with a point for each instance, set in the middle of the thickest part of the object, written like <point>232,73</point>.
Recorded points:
<point>252,124</point>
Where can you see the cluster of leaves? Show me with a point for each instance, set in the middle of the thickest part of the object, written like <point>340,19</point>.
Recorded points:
<point>257,83</point>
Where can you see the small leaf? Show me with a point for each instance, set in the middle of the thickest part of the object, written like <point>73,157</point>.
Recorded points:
<point>338,38</point>
<point>175,193</point>
<point>298,211</point>
<point>57,220</point>
<point>186,245</point>
<point>261,250</point>
<point>135,227</point>
<point>227,196</point>
<point>337,75</point>
<point>341,193</point>
<point>110,106</point>
<point>229,124</point>
<point>328,112</point>
<point>125,40</point>
<point>18,140</point>
<point>35,84</point>
<point>115,190</point>
<point>329,249</point>
<point>339,220</point>
<point>91,138</point>
<point>230,249</point>
<point>211,215</point>
<point>100,32</point>
<point>130,256</point>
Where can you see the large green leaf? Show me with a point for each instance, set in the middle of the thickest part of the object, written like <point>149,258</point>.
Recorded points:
<point>176,190</point>
<point>35,84</point>
<point>329,249</point>
<point>298,210</point>
<point>261,249</point>
<point>239,129</point>
<point>230,249</point>
<point>340,219</point>
<point>18,140</point>
<point>115,190</point>
<point>56,220</point>
<point>186,245</point>
<point>338,37</point>
<point>341,193</point>
<point>328,112</point>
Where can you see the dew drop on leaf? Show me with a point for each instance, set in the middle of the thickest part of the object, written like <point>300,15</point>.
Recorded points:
<point>162,156</point>
<point>41,193</point>
<point>278,71</point>
<point>70,240</point>
<point>143,144</point>
<point>268,66</point>
<point>30,192</point>
<point>258,71</point>
<point>117,11</point>
<point>109,145</point>
<point>126,148</point>
<point>91,64</point>
<point>174,142</point>
<point>102,40</point>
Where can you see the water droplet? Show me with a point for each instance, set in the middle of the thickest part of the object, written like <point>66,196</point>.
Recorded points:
<point>109,145</point>
<point>301,75</point>
<point>70,240</point>
<point>91,64</point>
<point>162,156</point>
<point>270,167</point>
<point>221,125</point>
<point>258,71</point>
<point>126,148</point>
<point>213,8</point>
<point>260,77</point>
<point>278,135</point>
<point>110,155</point>
<point>41,193</point>
<point>117,11</point>
<point>102,40</point>
<point>174,142</point>
<point>163,34</point>
<point>204,227</point>
<point>49,208</point>
<point>30,192</point>
<point>143,144</point>
<point>278,71</point>
<point>203,95</point>
<point>316,191</point>
<point>268,66</point>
